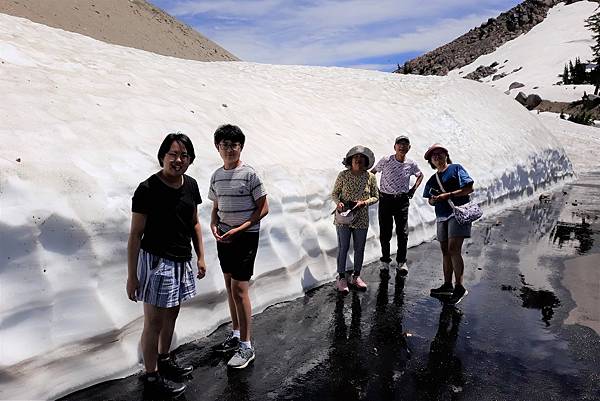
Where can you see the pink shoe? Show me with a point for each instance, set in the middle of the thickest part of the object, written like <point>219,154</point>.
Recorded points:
<point>342,285</point>
<point>358,283</point>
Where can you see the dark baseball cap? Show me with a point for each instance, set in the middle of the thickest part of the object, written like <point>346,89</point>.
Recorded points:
<point>402,138</point>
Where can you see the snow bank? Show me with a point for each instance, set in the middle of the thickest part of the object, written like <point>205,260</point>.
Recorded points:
<point>81,125</point>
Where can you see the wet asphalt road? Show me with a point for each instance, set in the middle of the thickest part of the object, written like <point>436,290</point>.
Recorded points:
<point>505,341</point>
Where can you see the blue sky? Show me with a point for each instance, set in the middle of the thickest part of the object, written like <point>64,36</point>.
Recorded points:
<point>376,34</point>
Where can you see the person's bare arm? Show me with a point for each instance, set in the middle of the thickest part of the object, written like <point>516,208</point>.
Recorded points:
<point>198,246</point>
<point>464,191</point>
<point>412,191</point>
<point>138,224</point>
<point>262,209</point>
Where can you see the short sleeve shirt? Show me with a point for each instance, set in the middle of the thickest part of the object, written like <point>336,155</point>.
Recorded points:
<point>455,177</point>
<point>395,175</point>
<point>236,192</point>
<point>169,216</point>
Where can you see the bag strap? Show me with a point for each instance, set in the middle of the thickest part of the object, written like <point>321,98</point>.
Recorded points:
<point>443,190</point>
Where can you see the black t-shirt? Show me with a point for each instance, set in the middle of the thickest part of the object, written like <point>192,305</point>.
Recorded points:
<point>169,216</point>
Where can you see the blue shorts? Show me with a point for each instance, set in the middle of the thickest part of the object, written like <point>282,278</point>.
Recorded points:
<point>450,228</point>
<point>163,282</point>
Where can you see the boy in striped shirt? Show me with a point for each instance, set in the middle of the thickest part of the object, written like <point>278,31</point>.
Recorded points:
<point>239,203</point>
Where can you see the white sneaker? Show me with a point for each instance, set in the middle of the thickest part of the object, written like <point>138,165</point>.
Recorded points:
<point>402,270</point>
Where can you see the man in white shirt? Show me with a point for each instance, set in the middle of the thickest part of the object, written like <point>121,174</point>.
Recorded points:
<point>395,193</point>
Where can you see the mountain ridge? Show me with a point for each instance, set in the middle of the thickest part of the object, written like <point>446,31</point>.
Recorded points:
<point>131,23</point>
<point>483,39</point>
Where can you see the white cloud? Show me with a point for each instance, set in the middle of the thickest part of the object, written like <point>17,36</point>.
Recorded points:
<point>231,8</point>
<point>333,32</point>
<point>251,45</point>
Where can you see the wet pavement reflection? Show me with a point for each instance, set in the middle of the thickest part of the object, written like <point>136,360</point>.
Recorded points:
<point>506,340</point>
<point>443,376</point>
<point>565,232</point>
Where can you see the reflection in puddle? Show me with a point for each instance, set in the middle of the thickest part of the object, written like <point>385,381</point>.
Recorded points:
<point>566,233</point>
<point>543,300</point>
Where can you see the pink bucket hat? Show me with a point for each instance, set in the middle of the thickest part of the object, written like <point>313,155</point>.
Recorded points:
<point>432,148</point>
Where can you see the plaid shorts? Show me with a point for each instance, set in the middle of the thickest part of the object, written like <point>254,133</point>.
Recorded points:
<point>163,282</point>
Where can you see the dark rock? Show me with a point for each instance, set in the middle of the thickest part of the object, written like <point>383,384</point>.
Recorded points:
<point>499,76</point>
<point>481,72</point>
<point>521,98</point>
<point>515,85</point>
<point>532,101</point>
<point>593,98</point>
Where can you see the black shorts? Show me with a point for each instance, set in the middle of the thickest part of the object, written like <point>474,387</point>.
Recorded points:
<point>237,257</point>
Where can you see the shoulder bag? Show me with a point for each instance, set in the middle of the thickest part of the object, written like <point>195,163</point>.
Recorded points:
<point>464,214</point>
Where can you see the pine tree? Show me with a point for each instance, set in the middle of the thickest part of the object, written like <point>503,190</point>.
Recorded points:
<point>593,23</point>
<point>571,71</point>
<point>565,76</point>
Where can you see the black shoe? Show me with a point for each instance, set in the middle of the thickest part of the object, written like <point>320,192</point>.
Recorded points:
<point>156,385</point>
<point>170,368</point>
<point>458,294</point>
<point>444,289</point>
<point>231,343</point>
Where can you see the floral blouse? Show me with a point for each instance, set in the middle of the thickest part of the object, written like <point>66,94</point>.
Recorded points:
<point>351,188</point>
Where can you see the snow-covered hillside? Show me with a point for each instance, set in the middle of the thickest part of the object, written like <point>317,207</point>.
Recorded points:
<point>81,124</point>
<point>536,58</point>
<point>581,142</point>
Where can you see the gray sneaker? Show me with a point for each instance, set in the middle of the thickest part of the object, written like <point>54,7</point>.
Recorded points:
<point>241,358</point>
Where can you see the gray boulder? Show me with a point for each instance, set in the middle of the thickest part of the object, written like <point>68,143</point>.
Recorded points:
<point>521,98</point>
<point>515,85</point>
<point>532,101</point>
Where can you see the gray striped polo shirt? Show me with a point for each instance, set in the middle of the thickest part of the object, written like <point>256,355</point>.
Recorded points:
<point>236,192</point>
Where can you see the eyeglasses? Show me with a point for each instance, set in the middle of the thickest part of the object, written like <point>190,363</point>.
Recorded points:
<point>438,154</point>
<point>175,156</point>
<point>229,145</point>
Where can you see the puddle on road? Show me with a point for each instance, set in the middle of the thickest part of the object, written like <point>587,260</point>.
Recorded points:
<point>578,236</point>
<point>568,225</point>
<point>543,300</point>
<point>582,279</point>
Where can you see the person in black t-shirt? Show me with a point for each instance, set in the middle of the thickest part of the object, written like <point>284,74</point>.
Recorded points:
<point>164,224</point>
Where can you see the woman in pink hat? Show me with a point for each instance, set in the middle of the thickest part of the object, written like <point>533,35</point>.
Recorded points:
<point>456,184</point>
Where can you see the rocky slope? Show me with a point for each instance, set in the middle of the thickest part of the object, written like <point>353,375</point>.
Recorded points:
<point>131,23</point>
<point>482,40</point>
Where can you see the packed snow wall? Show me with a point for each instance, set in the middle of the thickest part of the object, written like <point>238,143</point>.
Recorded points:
<point>81,125</point>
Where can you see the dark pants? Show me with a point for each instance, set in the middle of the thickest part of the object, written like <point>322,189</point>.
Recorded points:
<point>393,208</point>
